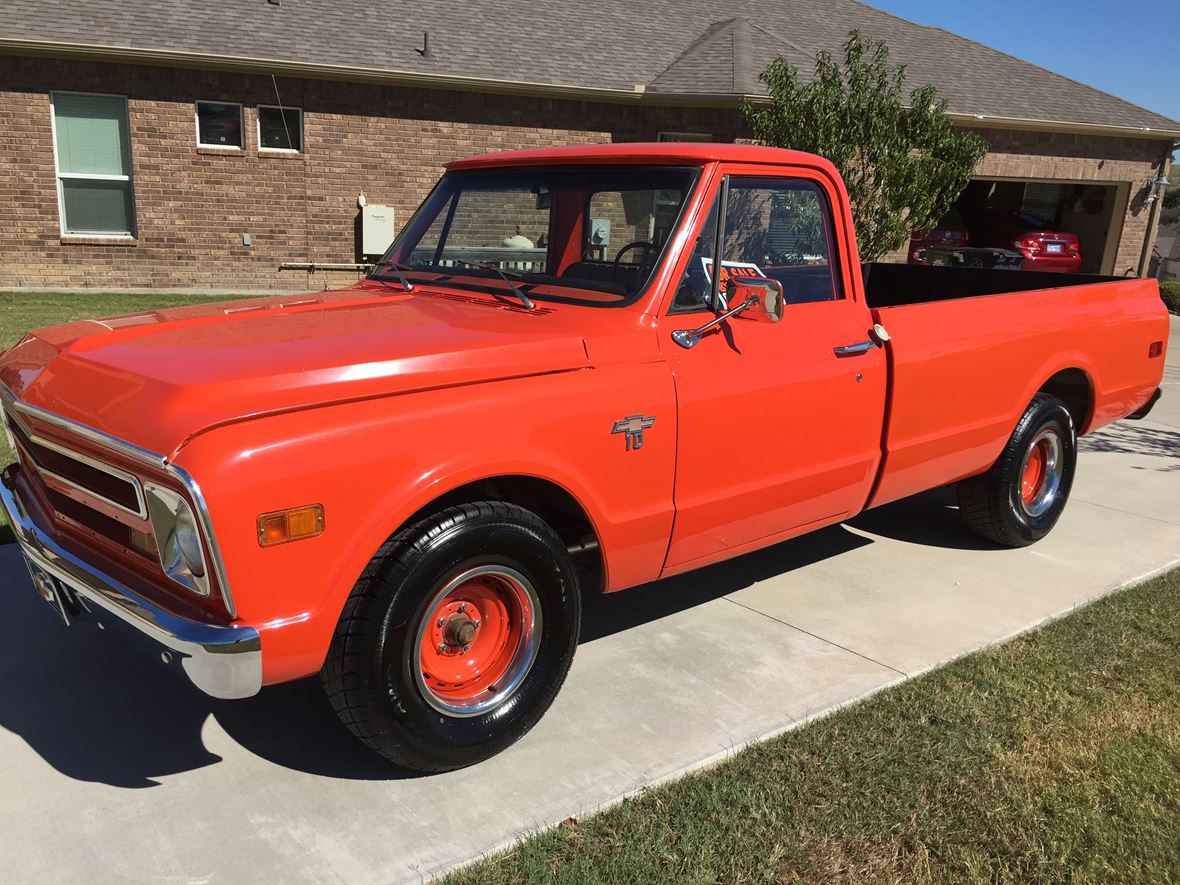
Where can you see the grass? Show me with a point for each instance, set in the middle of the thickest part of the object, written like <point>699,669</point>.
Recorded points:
<point>22,311</point>
<point>1053,757</point>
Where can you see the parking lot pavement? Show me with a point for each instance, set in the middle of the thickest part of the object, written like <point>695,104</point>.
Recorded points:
<point>112,771</point>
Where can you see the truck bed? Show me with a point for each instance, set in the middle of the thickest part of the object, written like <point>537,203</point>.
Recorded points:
<point>962,368</point>
<point>894,285</point>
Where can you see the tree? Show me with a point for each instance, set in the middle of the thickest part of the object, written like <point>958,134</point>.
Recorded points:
<point>903,163</point>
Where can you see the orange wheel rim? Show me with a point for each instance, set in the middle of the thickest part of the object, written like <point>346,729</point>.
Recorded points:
<point>1042,473</point>
<point>1034,471</point>
<point>477,640</point>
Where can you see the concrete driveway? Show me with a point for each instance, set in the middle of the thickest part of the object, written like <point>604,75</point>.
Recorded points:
<point>111,771</point>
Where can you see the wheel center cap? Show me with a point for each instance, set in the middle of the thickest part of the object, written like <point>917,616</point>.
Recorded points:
<point>459,630</point>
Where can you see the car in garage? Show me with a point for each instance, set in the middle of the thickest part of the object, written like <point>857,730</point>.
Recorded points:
<point>1043,246</point>
<point>950,232</point>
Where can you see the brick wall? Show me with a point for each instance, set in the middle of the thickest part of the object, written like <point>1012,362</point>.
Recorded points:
<point>194,204</point>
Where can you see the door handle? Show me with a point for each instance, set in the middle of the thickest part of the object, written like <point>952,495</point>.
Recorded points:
<point>854,349</point>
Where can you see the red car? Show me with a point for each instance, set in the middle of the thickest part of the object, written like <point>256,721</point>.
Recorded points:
<point>1042,247</point>
<point>950,232</point>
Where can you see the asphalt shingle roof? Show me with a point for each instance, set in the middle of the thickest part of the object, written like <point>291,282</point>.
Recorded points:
<point>663,46</point>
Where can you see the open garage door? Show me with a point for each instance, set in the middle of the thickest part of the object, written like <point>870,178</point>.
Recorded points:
<point>1052,220</point>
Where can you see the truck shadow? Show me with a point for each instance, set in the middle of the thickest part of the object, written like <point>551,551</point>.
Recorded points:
<point>96,712</point>
<point>1132,438</point>
<point>931,519</point>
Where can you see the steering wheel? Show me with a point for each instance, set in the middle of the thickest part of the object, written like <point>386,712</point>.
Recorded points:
<point>649,250</point>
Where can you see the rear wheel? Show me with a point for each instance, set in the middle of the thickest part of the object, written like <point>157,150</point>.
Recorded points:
<point>456,638</point>
<point>1019,500</point>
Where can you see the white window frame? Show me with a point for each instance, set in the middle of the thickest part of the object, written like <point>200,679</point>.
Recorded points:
<point>59,175</point>
<point>241,124</point>
<point>258,130</point>
<point>692,137</point>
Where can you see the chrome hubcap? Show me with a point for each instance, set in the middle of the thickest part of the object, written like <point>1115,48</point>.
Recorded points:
<point>1041,472</point>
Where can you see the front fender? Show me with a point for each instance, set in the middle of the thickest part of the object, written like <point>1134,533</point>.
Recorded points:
<point>372,464</point>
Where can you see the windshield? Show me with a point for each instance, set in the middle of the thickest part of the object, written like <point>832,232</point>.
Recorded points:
<point>587,235</point>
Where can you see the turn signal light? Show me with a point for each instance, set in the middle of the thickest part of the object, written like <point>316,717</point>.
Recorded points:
<point>1155,349</point>
<point>284,526</point>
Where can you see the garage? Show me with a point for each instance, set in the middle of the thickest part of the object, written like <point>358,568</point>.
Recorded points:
<point>1067,226</point>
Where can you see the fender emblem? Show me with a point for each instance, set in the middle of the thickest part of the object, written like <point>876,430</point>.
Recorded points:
<point>633,426</point>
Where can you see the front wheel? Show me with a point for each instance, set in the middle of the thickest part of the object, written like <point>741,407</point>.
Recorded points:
<point>1019,500</point>
<point>456,638</point>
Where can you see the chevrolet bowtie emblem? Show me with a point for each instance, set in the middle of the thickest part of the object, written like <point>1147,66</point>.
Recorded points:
<point>633,426</point>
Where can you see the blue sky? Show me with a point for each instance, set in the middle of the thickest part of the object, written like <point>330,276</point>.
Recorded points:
<point>1134,54</point>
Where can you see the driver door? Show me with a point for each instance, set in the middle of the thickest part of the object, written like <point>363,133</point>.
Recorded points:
<point>779,432</point>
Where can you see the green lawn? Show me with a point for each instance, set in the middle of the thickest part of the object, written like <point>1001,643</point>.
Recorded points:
<point>1055,757</point>
<point>21,311</point>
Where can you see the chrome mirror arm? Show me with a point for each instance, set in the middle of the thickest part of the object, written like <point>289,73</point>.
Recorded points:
<point>688,338</point>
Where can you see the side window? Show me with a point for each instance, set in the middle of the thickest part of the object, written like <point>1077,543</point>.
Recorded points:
<point>774,227</point>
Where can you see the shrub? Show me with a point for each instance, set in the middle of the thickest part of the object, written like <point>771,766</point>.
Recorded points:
<point>1170,292</point>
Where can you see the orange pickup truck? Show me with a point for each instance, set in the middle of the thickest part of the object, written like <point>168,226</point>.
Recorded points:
<point>575,371</point>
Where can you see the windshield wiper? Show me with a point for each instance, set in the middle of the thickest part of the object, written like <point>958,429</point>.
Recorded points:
<point>397,269</point>
<point>516,290</point>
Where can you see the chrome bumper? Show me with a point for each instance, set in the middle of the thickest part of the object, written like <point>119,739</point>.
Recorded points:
<point>223,662</point>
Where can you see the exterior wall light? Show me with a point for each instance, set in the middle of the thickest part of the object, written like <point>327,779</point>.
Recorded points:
<point>1155,189</point>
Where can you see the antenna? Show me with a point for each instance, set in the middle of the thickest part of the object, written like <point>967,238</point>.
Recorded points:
<point>282,111</point>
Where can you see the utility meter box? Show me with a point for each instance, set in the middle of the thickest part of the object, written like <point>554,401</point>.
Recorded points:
<point>376,229</point>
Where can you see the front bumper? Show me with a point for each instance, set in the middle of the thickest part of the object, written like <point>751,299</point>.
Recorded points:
<point>222,661</point>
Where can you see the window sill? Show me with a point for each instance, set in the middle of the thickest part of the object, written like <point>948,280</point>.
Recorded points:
<point>95,240</point>
<point>219,149</point>
<point>279,153</point>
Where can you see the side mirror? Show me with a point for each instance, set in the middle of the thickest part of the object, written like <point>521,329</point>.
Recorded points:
<point>766,293</point>
<point>763,303</point>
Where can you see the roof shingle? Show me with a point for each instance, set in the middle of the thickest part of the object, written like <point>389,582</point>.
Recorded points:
<point>669,47</point>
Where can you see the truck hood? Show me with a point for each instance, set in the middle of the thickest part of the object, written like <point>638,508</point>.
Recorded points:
<point>155,379</point>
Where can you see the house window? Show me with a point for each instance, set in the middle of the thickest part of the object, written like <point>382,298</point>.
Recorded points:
<point>280,129</point>
<point>684,136</point>
<point>219,124</point>
<point>92,146</point>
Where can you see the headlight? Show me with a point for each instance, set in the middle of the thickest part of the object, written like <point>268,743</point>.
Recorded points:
<point>178,539</point>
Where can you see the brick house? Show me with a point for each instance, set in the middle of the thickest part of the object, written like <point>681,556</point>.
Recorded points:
<point>204,144</point>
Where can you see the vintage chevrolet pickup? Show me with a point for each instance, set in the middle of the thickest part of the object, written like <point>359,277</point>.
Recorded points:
<point>575,371</point>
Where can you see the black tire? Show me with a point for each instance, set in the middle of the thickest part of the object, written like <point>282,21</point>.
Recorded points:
<point>992,503</point>
<point>372,673</point>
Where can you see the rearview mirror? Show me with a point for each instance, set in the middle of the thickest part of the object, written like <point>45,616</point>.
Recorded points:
<point>765,292</point>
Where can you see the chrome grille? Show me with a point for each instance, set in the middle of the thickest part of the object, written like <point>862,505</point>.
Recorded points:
<point>118,488</point>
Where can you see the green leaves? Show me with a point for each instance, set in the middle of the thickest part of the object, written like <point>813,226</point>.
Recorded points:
<point>903,162</point>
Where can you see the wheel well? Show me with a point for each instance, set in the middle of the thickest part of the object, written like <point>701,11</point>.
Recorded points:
<point>549,501</point>
<point>1073,387</point>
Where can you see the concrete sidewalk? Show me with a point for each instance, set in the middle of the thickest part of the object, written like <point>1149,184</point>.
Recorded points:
<point>114,772</point>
